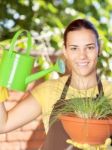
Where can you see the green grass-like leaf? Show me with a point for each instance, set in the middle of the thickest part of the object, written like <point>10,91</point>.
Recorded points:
<point>87,108</point>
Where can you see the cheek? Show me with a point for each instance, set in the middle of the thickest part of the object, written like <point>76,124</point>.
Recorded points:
<point>69,60</point>
<point>68,55</point>
<point>94,60</point>
<point>93,56</point>
<point>72,55</point>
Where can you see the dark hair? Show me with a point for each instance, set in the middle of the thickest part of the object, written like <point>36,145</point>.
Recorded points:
<point>79,24</point>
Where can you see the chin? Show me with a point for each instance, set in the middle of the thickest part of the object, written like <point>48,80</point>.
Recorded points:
<point>86,74</point>
<point>83,74</point>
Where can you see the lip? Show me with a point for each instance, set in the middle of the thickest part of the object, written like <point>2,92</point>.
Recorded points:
<point>82,64</point>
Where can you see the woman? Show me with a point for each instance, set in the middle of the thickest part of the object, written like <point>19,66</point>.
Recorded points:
<point>81,51</point>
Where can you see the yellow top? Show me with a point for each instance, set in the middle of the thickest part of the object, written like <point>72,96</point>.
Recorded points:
<point>50,91</point>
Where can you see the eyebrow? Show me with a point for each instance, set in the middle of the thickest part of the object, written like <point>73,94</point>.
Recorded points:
<point>90,44</point>
<point>85,45</point>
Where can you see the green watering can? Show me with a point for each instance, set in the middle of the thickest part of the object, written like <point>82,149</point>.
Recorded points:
<point>16,68</point>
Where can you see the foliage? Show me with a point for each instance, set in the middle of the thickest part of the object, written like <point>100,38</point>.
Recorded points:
<point>87,108</point>
<point>46,19</point>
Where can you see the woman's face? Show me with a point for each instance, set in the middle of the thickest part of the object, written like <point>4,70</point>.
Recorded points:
<point>81,52</point>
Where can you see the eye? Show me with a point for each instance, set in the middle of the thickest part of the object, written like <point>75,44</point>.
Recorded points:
<point>74,48</point>
<point>90,47</point>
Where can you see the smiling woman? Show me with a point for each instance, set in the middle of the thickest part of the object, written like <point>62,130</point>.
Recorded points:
<point>81,50</point>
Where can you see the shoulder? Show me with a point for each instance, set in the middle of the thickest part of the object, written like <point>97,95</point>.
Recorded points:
<point>49,85</point>
<point>53,82</point>
<point>49,91</point>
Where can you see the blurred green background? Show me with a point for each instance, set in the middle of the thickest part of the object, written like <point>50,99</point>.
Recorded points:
<point>47,19</point>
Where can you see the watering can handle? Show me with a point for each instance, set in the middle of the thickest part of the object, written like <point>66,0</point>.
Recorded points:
<point>29,42</point>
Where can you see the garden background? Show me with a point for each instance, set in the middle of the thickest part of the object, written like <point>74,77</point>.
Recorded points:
<point>46,21</point>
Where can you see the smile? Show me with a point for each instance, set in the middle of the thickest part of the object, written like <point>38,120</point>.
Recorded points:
<point>82,64</point>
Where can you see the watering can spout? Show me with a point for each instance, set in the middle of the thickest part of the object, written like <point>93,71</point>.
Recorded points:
<point>58,67</point>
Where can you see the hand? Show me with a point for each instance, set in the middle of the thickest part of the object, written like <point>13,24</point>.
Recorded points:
<point>105,146</point>
<point>3,94</point>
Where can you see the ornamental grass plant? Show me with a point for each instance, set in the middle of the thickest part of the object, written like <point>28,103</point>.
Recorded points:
<point>86,108</point>
<point>82,117</point>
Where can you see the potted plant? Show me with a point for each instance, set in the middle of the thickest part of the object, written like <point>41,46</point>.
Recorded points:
<point>87,120</point>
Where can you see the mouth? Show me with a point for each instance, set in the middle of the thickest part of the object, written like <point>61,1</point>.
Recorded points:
<point>82,64</point>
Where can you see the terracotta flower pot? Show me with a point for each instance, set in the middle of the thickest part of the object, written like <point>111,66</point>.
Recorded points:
<point>85,130</point>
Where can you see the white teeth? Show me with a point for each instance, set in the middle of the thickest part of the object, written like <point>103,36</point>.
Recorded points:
<point>83,64</point>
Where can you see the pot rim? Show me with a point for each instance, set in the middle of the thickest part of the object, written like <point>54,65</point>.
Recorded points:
<point>83,120</point>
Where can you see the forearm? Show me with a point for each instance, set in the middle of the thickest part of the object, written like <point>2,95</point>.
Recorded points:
<point>24,112</point>
<point>3,117</point>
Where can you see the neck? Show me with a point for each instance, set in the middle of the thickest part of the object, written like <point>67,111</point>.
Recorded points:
<point>83,82</point>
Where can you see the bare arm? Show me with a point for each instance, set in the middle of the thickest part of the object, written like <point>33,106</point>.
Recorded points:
<point>24,112</point>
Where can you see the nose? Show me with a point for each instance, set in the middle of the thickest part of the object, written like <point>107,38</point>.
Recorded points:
<point>82,53</point>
